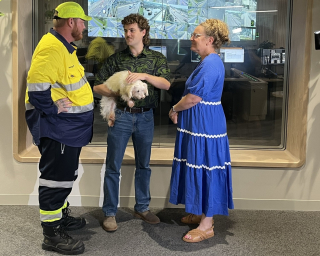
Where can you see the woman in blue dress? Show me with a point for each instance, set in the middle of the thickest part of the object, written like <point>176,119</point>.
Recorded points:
<point>201,169</point>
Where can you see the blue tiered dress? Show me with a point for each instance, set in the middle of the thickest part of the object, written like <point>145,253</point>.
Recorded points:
<point>201,169</point>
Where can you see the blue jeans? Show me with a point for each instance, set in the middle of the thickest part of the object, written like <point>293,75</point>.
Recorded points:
<point>140,126</point>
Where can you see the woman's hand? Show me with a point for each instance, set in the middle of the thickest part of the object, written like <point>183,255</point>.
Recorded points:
<point>173,116</point>
<point>171,112</point>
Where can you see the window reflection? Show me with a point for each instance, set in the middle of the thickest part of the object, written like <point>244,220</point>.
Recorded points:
<point>255,61</point>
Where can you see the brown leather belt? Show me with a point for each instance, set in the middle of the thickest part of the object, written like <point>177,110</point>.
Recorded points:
<point>134,110</point>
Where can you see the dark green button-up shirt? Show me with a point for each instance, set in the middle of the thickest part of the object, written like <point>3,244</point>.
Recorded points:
<point>148,61</point>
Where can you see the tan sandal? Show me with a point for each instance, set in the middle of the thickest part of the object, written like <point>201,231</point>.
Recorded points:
<point>198,235</point>
<point>192,219</point>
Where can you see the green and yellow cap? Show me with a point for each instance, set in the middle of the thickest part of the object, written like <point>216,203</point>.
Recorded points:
<point>70,10</point>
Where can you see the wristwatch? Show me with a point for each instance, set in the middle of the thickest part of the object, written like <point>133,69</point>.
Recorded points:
<point>173,109</point>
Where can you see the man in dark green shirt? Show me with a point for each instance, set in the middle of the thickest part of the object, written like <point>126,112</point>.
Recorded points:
<point>150,67</point>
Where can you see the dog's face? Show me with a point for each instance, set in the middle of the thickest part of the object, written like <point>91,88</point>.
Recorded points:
<point>139,90</point>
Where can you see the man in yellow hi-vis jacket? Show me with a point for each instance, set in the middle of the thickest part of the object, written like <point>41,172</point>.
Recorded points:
<point>59,114</point>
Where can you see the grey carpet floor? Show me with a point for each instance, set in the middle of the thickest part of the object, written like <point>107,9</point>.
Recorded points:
<point>265,233</point>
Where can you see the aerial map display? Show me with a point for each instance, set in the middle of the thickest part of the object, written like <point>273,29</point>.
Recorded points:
<point>173,19</point>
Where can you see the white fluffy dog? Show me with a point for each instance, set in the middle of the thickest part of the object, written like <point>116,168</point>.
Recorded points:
<point>117,83</point>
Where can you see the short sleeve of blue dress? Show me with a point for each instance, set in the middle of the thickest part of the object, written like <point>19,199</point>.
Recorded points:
<point>201,169</point>
<point>206,81</point>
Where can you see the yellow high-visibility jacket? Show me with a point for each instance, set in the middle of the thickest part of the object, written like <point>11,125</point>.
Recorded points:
<point>56,73</point>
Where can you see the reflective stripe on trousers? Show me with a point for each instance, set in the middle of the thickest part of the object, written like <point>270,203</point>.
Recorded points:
<point>50,216</point>
<point>59,169</point>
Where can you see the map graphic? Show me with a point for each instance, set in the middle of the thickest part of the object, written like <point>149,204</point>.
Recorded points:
<point>173,19</point>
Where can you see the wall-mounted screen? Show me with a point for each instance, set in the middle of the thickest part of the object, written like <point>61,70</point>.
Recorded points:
<point>232,55</point>
<point>273,56</point>
<point>162,49</point>
<point>172,19</point>
<point>195,57</point>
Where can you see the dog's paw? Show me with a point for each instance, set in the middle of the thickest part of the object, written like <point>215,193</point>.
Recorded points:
<point>130,103</point>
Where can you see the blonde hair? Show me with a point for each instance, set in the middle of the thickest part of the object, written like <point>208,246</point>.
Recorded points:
<point>218,30</point>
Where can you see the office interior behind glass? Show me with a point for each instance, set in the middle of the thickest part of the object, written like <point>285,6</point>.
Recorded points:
<point>256,62</point>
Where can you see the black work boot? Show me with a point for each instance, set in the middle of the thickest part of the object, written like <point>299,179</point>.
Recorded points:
<point>57,239</point>
<point>70,223</point>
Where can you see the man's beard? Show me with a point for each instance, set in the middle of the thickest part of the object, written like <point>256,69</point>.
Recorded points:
<point>76,33</point>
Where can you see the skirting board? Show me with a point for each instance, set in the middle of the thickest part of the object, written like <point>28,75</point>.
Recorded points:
<point>240,203</point>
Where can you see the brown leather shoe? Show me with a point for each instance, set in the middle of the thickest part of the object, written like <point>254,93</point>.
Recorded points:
<point>109,224</point>
<point>147,216</point>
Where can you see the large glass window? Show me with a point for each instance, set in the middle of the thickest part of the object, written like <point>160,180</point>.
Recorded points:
<point>255,62</point>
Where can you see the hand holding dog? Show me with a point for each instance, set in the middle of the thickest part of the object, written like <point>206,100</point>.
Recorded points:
<point>132,77</point>
<point>118,84</point>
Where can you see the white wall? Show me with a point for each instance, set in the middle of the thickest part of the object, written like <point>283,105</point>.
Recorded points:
<point>294,189</point>
<point>255,188</point>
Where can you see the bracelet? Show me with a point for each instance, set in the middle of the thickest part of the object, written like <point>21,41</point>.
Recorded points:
<point>173,109</point>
